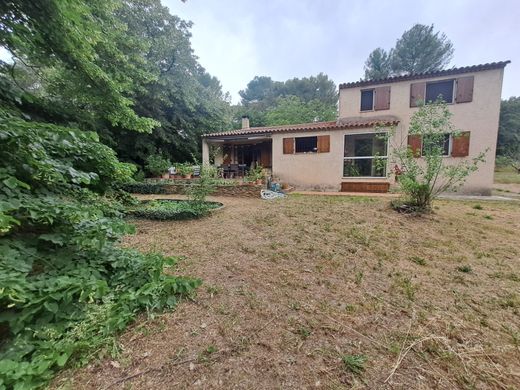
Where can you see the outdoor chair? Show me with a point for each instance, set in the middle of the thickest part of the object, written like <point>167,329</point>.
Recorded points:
<point>225,170</point>
<point>233,170</point>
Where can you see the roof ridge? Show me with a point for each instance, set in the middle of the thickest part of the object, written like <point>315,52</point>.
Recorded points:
<point>414,76</point>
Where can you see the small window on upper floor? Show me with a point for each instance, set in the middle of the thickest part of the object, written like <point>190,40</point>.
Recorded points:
<point>439,89</point>
<point>367,100</point>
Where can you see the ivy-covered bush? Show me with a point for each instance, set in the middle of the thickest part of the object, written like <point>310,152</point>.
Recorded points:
<point>145,188</point>
<point>66,287</point>
<point>172,210</point>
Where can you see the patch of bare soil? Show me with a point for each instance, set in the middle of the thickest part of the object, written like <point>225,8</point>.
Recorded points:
<point>330,292</point>
<point>511,190</point>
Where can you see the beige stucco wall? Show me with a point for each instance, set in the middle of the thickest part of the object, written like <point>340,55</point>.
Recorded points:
<point>319,171</point>
<point>479,116</point>
<point>324,171</point>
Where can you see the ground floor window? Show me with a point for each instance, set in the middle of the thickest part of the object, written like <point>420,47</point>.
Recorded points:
<point>306,144</point>
<point>441,141</point>
<point>365,155</point>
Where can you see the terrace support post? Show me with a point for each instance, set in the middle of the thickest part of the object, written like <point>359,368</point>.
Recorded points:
<point>205,152</point>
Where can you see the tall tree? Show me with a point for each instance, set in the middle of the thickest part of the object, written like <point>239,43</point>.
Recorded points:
<point>508,145</point>
<point>261,88</point>
<point>377,66</point>
<point>149,78</point>
<point>262,100</point>
<point>292,110</point>
<point>184,98</point>
<point>420,49</point>
<point>79,47</point>
<point>509,125</point>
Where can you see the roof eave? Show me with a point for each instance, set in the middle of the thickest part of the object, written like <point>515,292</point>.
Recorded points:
<point>427,75</point>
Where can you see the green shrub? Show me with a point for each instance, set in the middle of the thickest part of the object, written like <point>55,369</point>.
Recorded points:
<point>144,188</point>
<point>172,210</point>
<point>156,165</point>
<point>184,169</point>
<point>67,287</point>
<point>255,174</point>
<point>425,173</point>
<point>197,191</point>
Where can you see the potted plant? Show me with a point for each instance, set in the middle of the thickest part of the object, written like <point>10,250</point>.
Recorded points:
<point>255,175</point>
<point>186,171</point>
<point>157,165</point>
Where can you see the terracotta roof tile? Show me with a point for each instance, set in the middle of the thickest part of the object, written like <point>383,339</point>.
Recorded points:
<point>426,75</point>
<point>343,123</point>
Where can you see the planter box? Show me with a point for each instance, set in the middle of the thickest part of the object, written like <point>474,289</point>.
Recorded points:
<point>365,187</point>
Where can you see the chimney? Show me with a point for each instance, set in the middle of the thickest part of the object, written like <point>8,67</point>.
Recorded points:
<point>245,122</point>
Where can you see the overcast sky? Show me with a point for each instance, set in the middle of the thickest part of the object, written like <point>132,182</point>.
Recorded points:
<point>237,40</point>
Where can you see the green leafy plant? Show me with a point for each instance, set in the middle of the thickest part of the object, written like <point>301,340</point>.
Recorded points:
<point>185,169</point>
<point>197,191</point>
<point>156,165</point>
<point>354,363</point>
<point>423,177</point>
<point>255,174</point>
<point>67,287</point>
<point>172,210</point>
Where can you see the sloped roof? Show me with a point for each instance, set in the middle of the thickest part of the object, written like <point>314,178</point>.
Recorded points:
<point>426,75</point>
<point>343,123</point>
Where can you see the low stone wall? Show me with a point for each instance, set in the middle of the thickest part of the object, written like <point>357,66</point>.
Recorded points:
<point>243,191</point>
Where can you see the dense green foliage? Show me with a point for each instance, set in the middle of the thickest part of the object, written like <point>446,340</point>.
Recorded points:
<point>66,287</point>
<point>377,65</point>
<point>269,102</point>
<point>165,209</point>
<point>156,165</point>
<point>423,179</point>
<point>85,71</point>
<point>419,49</point>
<point>113,67</point>
<point>291,109</point>
<point>508,147</point>
<point>83,57</point>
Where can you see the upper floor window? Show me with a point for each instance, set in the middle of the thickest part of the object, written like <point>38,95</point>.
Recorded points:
<point>439,89</point>
<point>459,90</point>
<point>367,100</point>
<point>375,99</point>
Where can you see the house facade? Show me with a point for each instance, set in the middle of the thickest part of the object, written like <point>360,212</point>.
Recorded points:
<point>350,154</point>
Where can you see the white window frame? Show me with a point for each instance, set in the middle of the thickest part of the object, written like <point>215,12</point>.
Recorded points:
<point>366,157</point>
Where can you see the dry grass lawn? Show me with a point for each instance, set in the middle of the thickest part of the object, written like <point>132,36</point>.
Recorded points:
<point>332,293</point>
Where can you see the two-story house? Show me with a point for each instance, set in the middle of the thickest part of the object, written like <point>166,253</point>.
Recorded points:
<point>340,155</point>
